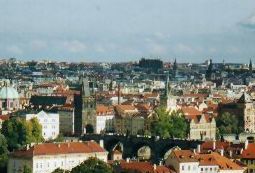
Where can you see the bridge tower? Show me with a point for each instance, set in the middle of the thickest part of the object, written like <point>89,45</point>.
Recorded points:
<point>85,105</point>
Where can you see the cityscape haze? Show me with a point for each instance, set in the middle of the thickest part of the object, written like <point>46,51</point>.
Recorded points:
<point>117,31</point>
<point>122,86</point>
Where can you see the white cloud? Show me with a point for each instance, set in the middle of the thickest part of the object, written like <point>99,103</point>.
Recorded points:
<point>14,49</point>
<point>158,49</point>
<point>249,22</point>
<point>74,46</point>
<point>183,48</point>
<point>38,45</point>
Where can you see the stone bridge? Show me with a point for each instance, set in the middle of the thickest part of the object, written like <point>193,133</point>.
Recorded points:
<point>131,144</point>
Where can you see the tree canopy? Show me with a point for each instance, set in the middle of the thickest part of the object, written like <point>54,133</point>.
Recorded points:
<point>58,170</point>
<point>3,153</point>
<point>92,165</point>
<point>27,169</point>
<point>19,132</point>
<point>170,125</point>
<point>229,124</point>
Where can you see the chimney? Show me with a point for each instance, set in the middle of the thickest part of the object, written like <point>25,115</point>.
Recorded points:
<point>222,152</point>
<point>154,167</point>
<point>230,153</point>
<point>246,144</point>
<point>214,145</point>
<point>68,144</point>
<point>27,147</point>
<point>160,163</point>
<point>241,151</point>
<point>58,145</point>
<point>101,143</point>
<point>127,160</point>
<point>198,148</point>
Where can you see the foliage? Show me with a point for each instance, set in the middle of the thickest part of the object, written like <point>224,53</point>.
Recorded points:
<point>58,170</point>
<point>92,165</point>
<point>170,125</point>
<point>19,132</point>
<point>228,124</point>
<point>3,152</point>
<point>36,130</point>
<point>60,138</point>
<point>27,169</point>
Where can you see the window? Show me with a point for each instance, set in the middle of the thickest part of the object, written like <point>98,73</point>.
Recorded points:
<point>202,169</point>
<point>183,168</point>
<point>189,167</point>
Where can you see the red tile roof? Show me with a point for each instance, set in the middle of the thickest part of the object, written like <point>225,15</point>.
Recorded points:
<point>59,148</point>
<point>143,167</point>
<point>190,111</point>
<point>216,159</point>
<point>208,145</point>
<point>4,117</point>
<point>249,153</point>
<point>104,110</point>
<point>185,155</point>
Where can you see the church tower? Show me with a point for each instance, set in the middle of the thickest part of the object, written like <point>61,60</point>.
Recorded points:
<point>246,104</point>
<point>85,108</point>
<point>88,107</point>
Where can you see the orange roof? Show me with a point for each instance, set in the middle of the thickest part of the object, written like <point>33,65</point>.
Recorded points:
<point>125,107</point>
<point>190,111</point>
<point>143,107</point>
<point>249,153</point>
<point>59,148</point>
<point>216,159</point>
<point>208,145</point>
<point>102,109</point>
<point>143,167</point>
<point>4,117</point>
<point>185,155</point>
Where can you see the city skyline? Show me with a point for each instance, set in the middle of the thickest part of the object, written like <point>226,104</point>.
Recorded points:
<point>121,31</point>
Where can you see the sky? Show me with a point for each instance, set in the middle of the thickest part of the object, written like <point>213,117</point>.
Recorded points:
<point>126,30</point>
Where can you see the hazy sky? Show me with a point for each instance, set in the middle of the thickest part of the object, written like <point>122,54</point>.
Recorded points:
<point>126,30</point>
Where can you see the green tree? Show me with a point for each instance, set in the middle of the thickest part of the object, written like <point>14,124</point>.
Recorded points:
<point>162,126</point>
<point>92,165</point>
<point>58,170</point>
<point>19,132</point>
<point>25,132</point>
<point>27,169</point>
<point>228,124</point>
<point>169,125</point>
<point>36,130</point>
<point>179,125</point>
<point>3,153</point>
<point>10,131</point>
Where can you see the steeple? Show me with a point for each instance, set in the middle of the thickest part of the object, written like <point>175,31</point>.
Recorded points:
<point>250,66</point>
<point>174,67</point>
<point>167,85</point>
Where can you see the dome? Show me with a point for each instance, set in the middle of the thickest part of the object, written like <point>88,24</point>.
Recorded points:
<point>8,93</point>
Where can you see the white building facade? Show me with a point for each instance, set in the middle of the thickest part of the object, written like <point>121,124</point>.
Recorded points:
<point>49,122</point>
<point>45,158</point>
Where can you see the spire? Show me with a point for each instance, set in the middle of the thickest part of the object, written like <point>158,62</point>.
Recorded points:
<point>250,66</point>
<point>167,84</point>
<point>85,87</point>
<point>174,67</point>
